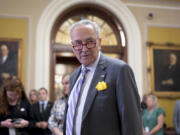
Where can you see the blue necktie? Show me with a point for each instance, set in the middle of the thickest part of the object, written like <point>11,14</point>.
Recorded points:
<point>73,103</point>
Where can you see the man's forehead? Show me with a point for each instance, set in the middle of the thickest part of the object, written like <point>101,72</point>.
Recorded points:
<point>83,27</point>
<point>83,32</point>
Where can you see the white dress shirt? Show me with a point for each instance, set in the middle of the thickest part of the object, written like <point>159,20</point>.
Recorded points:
<point>82,96</point>
<point>4,58</point>
<point>45,104</point>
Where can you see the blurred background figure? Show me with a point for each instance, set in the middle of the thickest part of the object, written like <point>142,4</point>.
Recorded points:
<point>177,117</point>
<point>170,76</point>
<point>8,64</point>
<point>15,108</point>
<point>153,117</point>
<point>55,122</point>
<point>143,103</point>
<point>33,96</point>
<point>41,112</point>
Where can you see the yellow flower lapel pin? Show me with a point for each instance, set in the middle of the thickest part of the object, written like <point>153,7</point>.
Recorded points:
<point>101,86</point>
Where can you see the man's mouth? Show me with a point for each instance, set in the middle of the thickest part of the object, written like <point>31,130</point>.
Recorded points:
<point>84,56</point>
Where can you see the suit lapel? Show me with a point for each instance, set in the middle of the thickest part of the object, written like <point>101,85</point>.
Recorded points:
<point>39,112</point>
<point>46,111</point>
<point>99,75</point>
<point>73,81</point>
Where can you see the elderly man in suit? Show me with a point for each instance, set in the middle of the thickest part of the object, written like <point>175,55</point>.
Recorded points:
<point>8,63</point>
<point>41,112</point>
<point>103,98</point>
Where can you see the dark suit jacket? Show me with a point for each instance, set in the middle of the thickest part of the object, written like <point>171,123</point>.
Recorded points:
<point>38,116</point>
<point>176,120</point>
<point>9,66</point>
<point>116,110</point>
<point>15,113</point>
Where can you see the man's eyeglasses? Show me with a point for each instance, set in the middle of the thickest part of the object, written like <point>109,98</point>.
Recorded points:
<point>78,45</point>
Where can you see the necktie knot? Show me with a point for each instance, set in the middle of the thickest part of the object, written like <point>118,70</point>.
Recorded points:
<point>84,71</point>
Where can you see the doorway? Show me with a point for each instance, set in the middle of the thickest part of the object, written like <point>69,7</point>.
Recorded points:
<point>63,61</point>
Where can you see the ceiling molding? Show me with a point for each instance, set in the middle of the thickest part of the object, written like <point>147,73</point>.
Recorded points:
<point>152,6</point>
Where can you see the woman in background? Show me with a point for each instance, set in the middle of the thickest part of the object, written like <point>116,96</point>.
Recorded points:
<point>55,122</point>
<point>33,96</point>
<point>153,117</point>
<point>15,108</point>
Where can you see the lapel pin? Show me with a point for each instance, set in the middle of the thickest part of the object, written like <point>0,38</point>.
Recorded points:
<point>102,76</point>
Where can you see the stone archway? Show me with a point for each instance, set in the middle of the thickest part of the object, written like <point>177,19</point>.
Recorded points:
<point>56,7</point>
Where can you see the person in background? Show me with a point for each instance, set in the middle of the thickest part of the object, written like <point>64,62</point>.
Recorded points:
<point>41,112</point>
<point>15,116</point>
<point>55,122</point>
<point>170,74</point>
<point>153,117</point>
<point>143,103</point>
<point>33,96</point>
<point>177,117</point>
<point>8,63</point>
<point>103,96</point>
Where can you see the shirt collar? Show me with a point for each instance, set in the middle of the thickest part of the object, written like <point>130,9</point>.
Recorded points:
<point>4,58</point>
<point>45,102</point>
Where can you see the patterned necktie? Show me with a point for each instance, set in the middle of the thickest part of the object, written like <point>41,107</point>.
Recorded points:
<point>73,103</point>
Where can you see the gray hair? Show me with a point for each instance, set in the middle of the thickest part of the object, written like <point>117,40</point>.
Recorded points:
<point>155,100</point>
<point>85,22</point>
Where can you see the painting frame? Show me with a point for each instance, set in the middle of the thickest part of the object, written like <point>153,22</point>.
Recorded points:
<point>158,59</point>
<point>15,49</point>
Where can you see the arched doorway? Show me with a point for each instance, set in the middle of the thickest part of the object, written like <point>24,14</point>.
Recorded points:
<point>63,60</point>
<point>42,63</point>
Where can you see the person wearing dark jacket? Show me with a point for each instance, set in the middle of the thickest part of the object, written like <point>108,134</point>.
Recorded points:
<point>41,112</point>
<point>15,109</point>
<point>103,96</point>
<point>8,63</point>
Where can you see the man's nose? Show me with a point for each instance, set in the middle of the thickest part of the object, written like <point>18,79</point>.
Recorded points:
<point>84,47</point>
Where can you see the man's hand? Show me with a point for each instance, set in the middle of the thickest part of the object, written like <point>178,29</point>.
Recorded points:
<point>42,124</point>
<point>21,124</point>
<point>168,82</point>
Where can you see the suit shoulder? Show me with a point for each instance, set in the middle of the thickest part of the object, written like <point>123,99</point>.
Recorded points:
<point>178,102</point>
<point>51,103</point>
<point>35,104</point>
<point>116,62</point>
<point>25,101</point>
<point>117,66</point>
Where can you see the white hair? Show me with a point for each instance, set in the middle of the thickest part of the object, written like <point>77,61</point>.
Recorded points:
<point>85,22</point>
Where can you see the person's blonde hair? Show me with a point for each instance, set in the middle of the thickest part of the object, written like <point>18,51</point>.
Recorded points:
<point>36,94</point>
<point>155,100</point>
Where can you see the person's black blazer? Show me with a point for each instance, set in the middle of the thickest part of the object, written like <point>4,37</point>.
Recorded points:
<point>39,116</point>
<point>115,110</point>
<point>23,112</point>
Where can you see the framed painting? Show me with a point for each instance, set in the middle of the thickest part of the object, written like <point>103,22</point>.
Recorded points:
<point>165,70</point>
<point>10,58</point>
